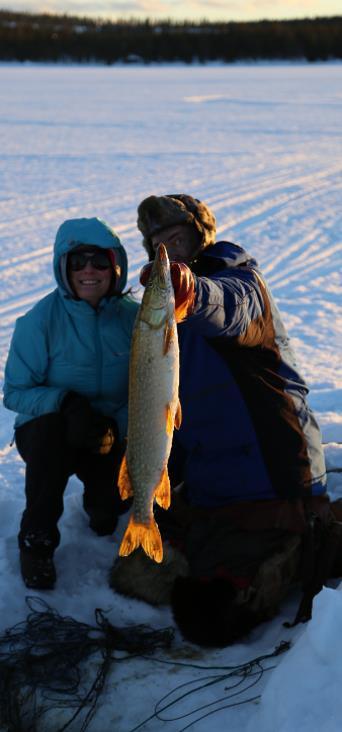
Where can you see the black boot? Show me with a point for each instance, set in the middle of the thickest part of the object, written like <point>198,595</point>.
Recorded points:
<point>36,560</point>
<point>38,572</point>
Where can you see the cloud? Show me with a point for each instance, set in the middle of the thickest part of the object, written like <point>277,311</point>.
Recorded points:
<point>261,7</point>
<point>93,7</point>
<point>178,9</point>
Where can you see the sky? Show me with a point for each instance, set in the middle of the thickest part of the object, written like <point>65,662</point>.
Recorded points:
<point>178,10</point>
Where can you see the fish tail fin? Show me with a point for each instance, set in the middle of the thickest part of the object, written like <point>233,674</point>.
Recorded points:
<point>124,481</point>
<point>145,535</point>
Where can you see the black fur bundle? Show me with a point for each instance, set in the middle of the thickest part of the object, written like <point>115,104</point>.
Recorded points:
<point>206,612</point>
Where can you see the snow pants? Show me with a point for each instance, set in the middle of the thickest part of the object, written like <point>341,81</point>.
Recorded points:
<point>226,570</point>
<point>244,559</point>
<point>50,461</point>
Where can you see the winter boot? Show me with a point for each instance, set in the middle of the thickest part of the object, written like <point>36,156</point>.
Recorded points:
<point>37,572</point>
<point>36,562</point>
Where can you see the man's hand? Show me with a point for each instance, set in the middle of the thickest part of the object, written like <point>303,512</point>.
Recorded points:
<point>183,284</point>
<point>85,428</point>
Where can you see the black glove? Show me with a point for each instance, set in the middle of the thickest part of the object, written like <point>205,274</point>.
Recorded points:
<point>86,428</point>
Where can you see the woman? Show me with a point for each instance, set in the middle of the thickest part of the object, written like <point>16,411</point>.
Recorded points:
<point>67,378</point>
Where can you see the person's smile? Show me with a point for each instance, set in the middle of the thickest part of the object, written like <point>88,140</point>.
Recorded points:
<point>91,284</point>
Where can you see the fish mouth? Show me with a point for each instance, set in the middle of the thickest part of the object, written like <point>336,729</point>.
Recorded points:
<point>162,253</point>
<point>155,306</point>
<point>161,266</point>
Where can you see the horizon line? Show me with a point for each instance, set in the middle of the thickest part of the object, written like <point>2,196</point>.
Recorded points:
<point>157,19</point>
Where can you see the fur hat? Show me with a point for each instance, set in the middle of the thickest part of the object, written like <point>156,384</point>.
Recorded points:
<point>159,212</point>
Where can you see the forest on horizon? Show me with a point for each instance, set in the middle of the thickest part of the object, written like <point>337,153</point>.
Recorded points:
<point>64,38</point>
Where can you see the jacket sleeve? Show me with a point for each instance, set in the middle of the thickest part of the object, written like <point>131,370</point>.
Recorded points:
<point>230,304</point>
<point>25,373</point>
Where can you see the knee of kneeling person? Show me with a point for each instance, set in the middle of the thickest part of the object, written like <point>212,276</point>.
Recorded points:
<point>40,434</point>
<point>209,613</point>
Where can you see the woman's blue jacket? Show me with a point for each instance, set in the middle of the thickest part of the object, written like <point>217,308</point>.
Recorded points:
<point>64,344</point>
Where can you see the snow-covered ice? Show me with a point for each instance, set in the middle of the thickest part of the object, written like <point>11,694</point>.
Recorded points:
<point>304,693</point>
<point>262,146</point>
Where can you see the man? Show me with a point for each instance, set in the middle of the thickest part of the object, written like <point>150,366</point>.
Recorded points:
<point>248,454</point>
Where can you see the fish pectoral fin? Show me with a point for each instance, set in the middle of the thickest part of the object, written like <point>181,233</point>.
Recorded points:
<point>124,481</point>
<point>168,334</point>
<point>173,421</point>
<point>169,423</point>
<point>178,416</point>
<point>145,535</point>
<point>162,492</point>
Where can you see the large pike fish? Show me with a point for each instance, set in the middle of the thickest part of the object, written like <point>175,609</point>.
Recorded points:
<point>153,410</point>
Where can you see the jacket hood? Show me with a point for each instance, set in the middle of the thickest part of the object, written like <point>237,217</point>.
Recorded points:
<point>95,232</point>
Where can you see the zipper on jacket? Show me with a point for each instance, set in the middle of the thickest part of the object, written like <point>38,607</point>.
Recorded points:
<point>99,354</point>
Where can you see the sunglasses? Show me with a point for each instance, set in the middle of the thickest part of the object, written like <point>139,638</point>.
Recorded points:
<point>79,260</point>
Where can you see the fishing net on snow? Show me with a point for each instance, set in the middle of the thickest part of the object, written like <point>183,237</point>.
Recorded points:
<point>42,669</point>
<point>42,664</point>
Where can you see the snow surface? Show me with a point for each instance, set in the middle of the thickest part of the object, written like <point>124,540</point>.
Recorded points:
<point>262,146</point>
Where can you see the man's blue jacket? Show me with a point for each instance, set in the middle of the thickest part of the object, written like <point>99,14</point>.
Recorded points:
<point>247,431</point>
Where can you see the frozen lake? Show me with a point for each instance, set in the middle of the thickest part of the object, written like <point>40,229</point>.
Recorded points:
<point>262,146</point>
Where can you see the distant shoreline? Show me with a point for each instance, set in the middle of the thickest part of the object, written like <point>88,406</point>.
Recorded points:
<point>62,39</point>
<point>170,64</point>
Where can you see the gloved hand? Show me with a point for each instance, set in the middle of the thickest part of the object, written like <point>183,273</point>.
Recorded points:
<point>183,284</point>
<point>102,434</point>
<point>86,428</point>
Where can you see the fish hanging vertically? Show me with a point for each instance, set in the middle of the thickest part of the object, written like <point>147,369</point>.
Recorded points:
<point>153,410</point>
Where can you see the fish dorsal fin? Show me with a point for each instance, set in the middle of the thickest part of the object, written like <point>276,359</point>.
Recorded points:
<point>162,491</point>
<point>124,481</point>
<point>178,416</point>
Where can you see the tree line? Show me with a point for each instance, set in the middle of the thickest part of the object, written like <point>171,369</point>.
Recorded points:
<point>55,38</point>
